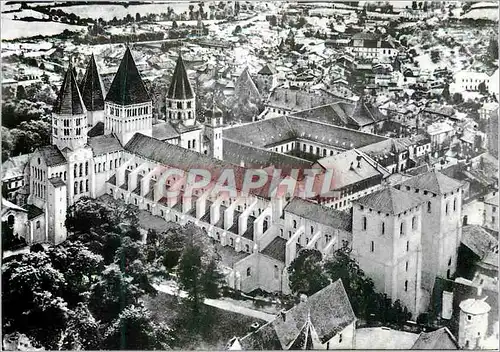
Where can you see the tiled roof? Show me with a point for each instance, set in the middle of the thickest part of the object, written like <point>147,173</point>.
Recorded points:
<point>265,338</point>
<point>97,130</point>
<point>441,339</point>
<point>57,182</point>
<point>252,156</point>
<point>478,240</point>
<point>276,249</point>
<point>104,144</point>
<point>183,159</point>
<point>245,85</point>
<point>33,211</point>
<point>319,213</point>
<point>261,133</point>
<point>390,201</point>
<point>180,88</point>
<point>349,168</point>
<point>268,69</point>
<point>329,310</point>
<point>365,36</point>
<point>164,131</point>
<point>434,182</point>
<point>92,88</point>
<point>69,101</point>
<point>6,205</point>
<point>365,114</point>
<point>52,155</point>
<point>334,136</point>
<point>14,166</point>
<point>127,87</point>
<point>334,114</point>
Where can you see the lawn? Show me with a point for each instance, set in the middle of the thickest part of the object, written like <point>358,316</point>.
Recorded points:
<point>219,326</point>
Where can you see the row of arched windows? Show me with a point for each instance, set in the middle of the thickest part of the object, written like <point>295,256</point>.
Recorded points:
<point>39,190</point>
<point>61,175</point>
<point>78,169</point>
<point>101,167</point>
<point>414,224</point>
<point>38,174</point>
<point>78,187</point>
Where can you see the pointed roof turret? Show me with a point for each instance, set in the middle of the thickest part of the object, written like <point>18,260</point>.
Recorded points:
<point>180,88</point>
<point>127,87</point>
<point>91,87</point>
<point>69,101</point>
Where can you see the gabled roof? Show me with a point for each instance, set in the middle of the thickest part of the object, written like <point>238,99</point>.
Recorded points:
<point>318,213</point>
<point>434,182</point>
<point>127,87</point>
<point>180,88</point>
<point>441,339</point>
<point>6,205</point>
<point>329,311</point>
<point>97,130</point>
<point>276,249</point>
<point>318,319</point>
<point>245,84</point>
<point>104,144</point>
<point>92,88</point>
<point>69,101</point>
<point>267,70</point>
<point>14,166</point>
<point>57,182</point>
<point>478,240</point>
<point>52,155</point>
<point>390,201</point>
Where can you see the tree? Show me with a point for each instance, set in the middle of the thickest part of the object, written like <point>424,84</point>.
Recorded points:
<point>189,272</point>
<point>174,24</point>
<point>301,22</point>
<point>446,92</point>
<point>137,17</point>
<point>493,48</point>
<point>212,280</point>
<point>483,89</point>
<point>273,21</point>
<point>134,329</point>
<point>306,272</point>
<point>21,93</point>
<point>414,5</point>
<point>457,98</point>
<point>237,30</point>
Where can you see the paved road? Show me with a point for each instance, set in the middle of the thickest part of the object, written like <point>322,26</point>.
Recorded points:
<point>218,303</point>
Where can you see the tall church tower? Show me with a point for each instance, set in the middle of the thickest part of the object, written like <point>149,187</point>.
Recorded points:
<point>441,223</point>
<point>180,100</point>
<point>92,90</point>
<point>69,116</point>
<point>128,109</point>
<point>386,243</point>
<point>213,131</point>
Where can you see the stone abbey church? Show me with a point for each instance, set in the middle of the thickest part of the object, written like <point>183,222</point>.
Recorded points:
<point>403,235</point>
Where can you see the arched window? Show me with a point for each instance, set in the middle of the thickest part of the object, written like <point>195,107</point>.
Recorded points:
<point>402,228</point>
<point>312,230</point>
<point>76,171</point>
<point>86,168</point>
<point>383,228</point>
<point>414,223</point>
<point>81,170</point>
<point>455,204</point>
<point>231,241</point>
<point>281,232</point>
<point>247,248</point>
<point>99,167</point>
<point>86,185</point>
<point>429,207</point>
<point>249,272</point>
<point>76,187</point>
<point>406,285</point>
<point>363,223</point>
<point>64,175</point>
<point>294,224</point>
<point>10,221</point>
<point>81,186</point>
<point>276,272</point>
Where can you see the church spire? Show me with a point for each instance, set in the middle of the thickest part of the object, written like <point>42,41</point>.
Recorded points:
<point>127,87</point>
<point>91,87</point>
<point>180,87</point>
<point>69,100</point>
